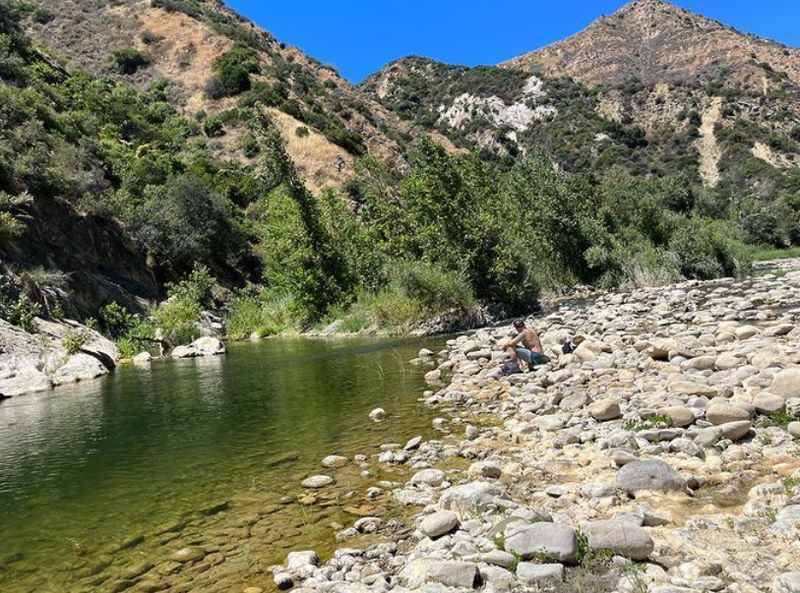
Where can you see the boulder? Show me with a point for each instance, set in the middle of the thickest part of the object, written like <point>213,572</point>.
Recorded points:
<point>680,416</point>
<point>722,413</point>
<point>529,573</point>
<point>604,410</point>
<point>786,383</point>
<point>377,414</point>
<point>439,524</point>
<point>788,582</point>
<point>485,469</point>
<point>142,358</point>
<point>746,331</point>
<point>208,346</point>
<point>767,403</point>
<point>473,496</point>
<point>461,575</point>
<point>552,541</point>
<point>623,538</point>
<point>297,560</point>
<point>652,474</point>
<point>429,477</point>
<point>79,367</point>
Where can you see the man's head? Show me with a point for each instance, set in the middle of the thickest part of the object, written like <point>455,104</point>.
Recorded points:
<point>519,325</point>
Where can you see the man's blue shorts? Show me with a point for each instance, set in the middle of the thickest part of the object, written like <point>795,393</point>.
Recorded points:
<point>532,358</point>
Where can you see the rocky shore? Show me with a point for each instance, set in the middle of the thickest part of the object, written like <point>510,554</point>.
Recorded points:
<point>662,455</point>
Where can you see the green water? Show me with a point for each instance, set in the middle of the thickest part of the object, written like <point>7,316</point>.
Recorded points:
<point>85,469</point>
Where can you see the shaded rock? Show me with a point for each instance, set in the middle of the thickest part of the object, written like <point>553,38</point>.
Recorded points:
<point>788,582</point>
<point>297,560</point>
<point>377,414</point>
<point>439,524</point>
<point>431,477</point>
<point>552,541</point>
<point>462,575</point>
<point>767,403</point>
<point>652,474</point>
<point>722,413</point>
<point>473,496</point>
<point>680,416</point>
<point>786,383</point>
<point>623,538</point>
<point>604,410</point>
<point>529,573</point>
<point>142,358</point>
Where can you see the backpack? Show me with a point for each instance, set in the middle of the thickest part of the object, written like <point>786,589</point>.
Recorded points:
<point>511,368</point>
<point>568,347</point>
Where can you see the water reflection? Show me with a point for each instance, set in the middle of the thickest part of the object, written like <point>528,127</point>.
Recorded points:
<point>88,465</point>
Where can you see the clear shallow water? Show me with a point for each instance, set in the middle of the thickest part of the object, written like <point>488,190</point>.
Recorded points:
<point>85,469</point>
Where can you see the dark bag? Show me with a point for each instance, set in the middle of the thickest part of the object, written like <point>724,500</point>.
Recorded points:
<point>511,368</point>
<point>568,347</point>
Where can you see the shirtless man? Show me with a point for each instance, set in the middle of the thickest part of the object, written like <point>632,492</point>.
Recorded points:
<point>526,345</point>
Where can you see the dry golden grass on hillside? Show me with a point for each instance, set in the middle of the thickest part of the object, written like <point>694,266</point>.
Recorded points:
<point>316,158</point>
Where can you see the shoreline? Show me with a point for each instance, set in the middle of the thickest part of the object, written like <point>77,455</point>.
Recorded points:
<point>613,465</point>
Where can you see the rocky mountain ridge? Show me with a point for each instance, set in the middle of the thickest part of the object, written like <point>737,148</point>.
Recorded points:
<point>653,88</point>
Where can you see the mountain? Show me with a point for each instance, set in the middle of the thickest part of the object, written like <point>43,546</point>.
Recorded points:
<point>655,41</point>
<point>326,122</point>
<point>653,88</point>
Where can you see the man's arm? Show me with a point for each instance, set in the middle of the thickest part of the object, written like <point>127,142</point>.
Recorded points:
<point>515,341</point>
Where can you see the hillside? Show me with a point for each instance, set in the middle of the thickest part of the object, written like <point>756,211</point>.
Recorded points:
<point>652,87</point>
<point>326,122</point>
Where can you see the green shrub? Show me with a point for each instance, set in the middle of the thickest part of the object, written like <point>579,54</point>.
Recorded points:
<point>74,340</point>
<point>128,61</point>
<point>115,321</point>
<point>177,319</point>
<point>21,312</point>
<point>197,288</point>
<point>261,313</point>
<point>250,146</point>
<point>709,249</point>
<point>214,127</point>
<point>438,290</point>
<point>232,73</point>
<point>301,132</point>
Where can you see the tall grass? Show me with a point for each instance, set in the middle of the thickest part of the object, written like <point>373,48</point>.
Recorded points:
<point>265,315</point>
<point>772,253</point>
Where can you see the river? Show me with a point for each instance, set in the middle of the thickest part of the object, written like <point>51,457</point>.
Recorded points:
<point>94,478</point>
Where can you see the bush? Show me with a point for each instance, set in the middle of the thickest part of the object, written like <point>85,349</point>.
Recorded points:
<point>177,319</point>
<point>128,61</point>
<point>250,146</point>
<point>196,288</point>
<point>20,312</point>
<point>115,321</point>
<point>263,313</point>
<point>181,222</point>
<point>436,289</point>
<point>301,132</point>
<point>232,73</point>
<point>709,249</point>
<point>74,340</point>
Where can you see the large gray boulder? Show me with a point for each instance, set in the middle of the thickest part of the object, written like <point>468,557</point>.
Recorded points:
<point>788,582</point>
<point>652,474</point>
<point>529,573</point>
<point>79,367</point>
<point>623,538</point>
<point>439,524</point>
<point>418,573</point>
<point>473,496</point>
<point>786,383</point>
<point>550,541</point>
<point>205,346</point>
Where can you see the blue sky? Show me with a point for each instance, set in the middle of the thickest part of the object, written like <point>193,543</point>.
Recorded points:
<point>360,36</point>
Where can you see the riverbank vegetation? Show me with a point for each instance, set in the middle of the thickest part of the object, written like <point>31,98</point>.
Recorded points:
<point>387,250</point>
